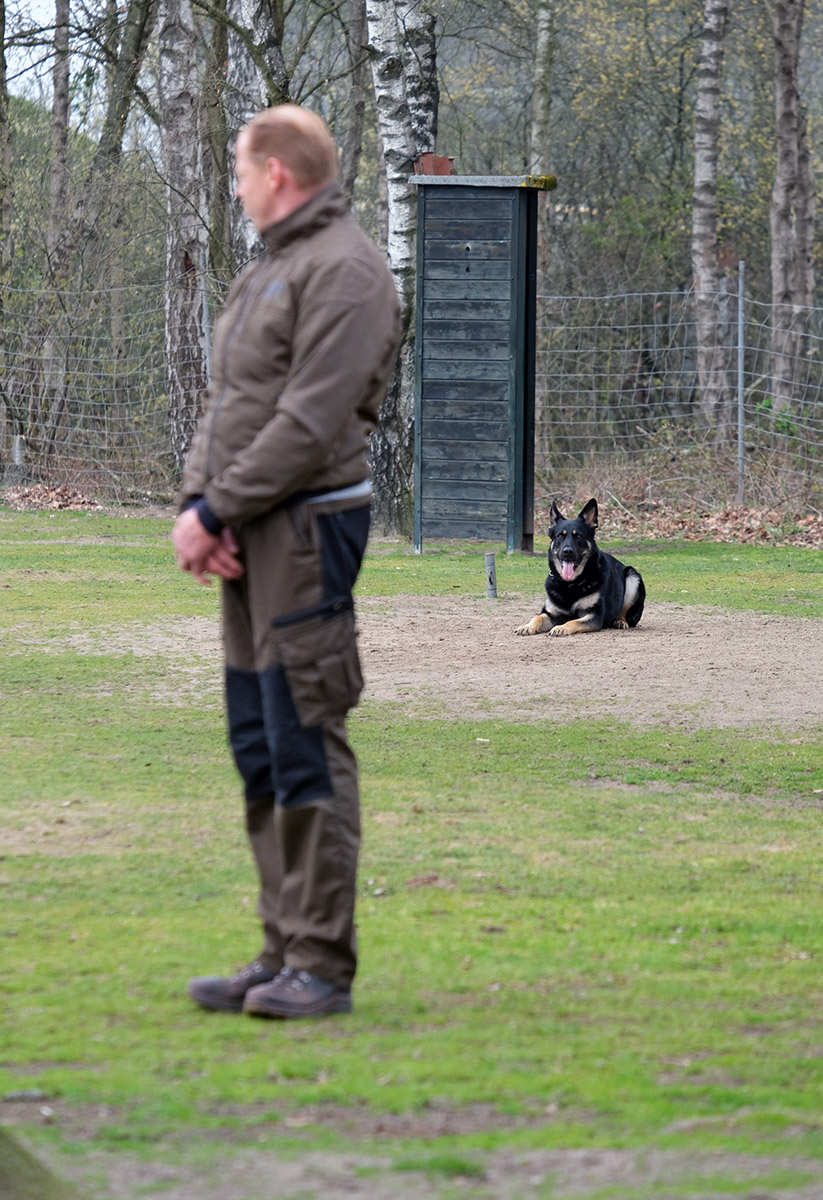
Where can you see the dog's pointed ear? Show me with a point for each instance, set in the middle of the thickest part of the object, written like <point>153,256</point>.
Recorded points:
<point>589,514</point>
<point>555,515</point>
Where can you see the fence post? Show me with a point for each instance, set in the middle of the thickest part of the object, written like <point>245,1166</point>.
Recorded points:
<point>741,416</point>
<point>491,577</point>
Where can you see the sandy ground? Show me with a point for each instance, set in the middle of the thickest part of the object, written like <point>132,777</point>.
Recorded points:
<point>529,1175</point>
<point>682,665</point>
<point>456,656</point>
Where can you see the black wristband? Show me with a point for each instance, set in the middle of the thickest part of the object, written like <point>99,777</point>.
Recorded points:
<point>209,520</point>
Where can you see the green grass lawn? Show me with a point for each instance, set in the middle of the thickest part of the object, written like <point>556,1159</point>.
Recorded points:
<point>608,935</point>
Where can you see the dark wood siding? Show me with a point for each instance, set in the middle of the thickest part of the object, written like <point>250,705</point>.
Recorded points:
<point>468,352</point>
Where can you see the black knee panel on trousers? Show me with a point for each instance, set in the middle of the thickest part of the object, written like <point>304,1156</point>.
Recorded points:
<point>299,767</point>
<point>272,750</point>
<point>247,732</point>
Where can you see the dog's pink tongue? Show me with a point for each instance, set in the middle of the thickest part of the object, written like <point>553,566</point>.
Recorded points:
<point>567,570</point>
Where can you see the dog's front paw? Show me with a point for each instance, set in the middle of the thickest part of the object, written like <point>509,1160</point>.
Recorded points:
<point>560,631</point>
<point>621,624</point>
<point>535,625</point>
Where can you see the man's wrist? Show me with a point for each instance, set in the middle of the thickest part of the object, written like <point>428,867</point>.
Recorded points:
<point>208,519</point>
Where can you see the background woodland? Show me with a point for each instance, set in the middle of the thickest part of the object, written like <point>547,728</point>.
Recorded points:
<point>683,137</point>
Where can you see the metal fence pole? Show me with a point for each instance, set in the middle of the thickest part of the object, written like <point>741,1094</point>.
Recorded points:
<point>741,416</point>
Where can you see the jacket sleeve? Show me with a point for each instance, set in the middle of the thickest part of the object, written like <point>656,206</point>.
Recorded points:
<point>345,335</point>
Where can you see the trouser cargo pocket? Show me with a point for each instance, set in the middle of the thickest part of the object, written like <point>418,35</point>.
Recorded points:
<point>319,657</point>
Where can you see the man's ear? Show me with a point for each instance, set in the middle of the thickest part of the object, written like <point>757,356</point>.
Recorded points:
<point>275,169</point>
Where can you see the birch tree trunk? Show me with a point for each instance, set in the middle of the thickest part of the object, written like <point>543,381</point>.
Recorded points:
<point>186,223</point>
<point>416,26</point>
<point>710,302</point>
<point>792,211</point>
<point>401,44</point>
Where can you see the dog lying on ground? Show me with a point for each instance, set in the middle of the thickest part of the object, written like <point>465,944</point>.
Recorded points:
<point>586,589</point>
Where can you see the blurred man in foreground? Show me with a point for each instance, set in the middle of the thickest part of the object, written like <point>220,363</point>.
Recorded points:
<point>276,501</point>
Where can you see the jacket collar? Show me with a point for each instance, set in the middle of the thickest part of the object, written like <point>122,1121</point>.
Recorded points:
<point>317,212</point>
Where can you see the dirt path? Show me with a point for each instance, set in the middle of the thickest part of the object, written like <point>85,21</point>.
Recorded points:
<point>506,1175</point>
<point>456,656</point>
<point>683,665</point>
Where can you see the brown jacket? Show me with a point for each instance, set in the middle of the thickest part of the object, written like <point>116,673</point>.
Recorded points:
<point>303,349</point>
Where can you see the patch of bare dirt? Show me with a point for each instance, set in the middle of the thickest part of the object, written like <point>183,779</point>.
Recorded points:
<point>184,638</point>
<point>250,1172</point>
<point>683,665</point>
<point>247,1171</point>
<point>458,656</point>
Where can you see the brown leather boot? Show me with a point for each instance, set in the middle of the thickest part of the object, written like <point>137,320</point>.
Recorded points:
<point>297,994</point>
<point>227,994</point>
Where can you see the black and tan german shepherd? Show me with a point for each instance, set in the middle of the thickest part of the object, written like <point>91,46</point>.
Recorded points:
<point>586,588</point>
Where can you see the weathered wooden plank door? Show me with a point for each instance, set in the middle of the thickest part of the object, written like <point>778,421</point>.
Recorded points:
<point>474,398</point>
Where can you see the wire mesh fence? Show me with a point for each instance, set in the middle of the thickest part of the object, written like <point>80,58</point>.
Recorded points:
<point>83,391</point>
<point>620,397</point>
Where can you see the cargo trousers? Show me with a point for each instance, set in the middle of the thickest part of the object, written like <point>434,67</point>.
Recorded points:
<point>292,674</point>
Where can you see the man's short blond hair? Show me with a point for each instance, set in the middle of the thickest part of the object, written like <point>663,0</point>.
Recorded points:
<point>299,139</point>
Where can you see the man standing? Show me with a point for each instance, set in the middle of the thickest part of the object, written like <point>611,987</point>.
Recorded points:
<point>275,500</point>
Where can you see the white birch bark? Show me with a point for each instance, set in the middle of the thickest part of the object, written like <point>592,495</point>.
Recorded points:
<point>186,223</point>
<point>399,146</point>
<point>416,29</point>
<point>792,211</point>
<point>401,44</point>
<point>710,301</point>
